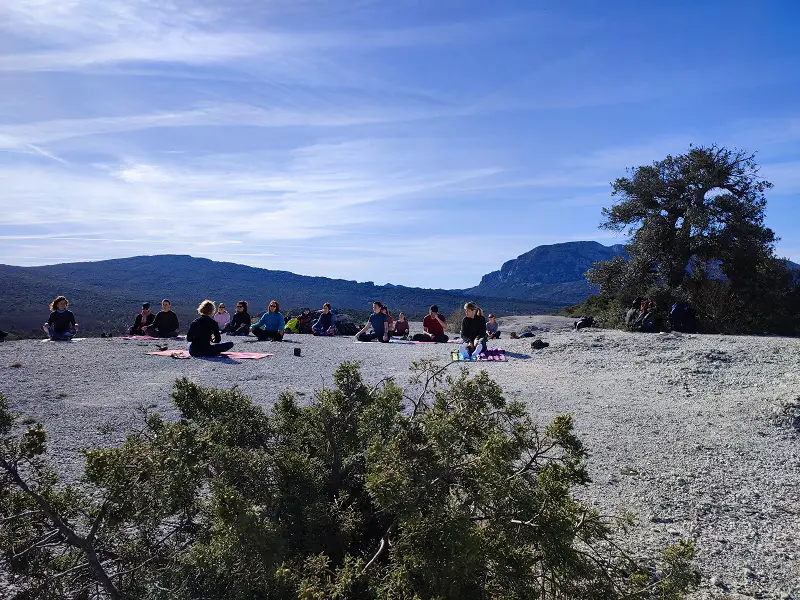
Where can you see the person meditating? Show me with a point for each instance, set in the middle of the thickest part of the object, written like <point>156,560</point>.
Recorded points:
<point>165,325</point>
<point>400,326</point>
<point>473,331</point>
<point>203,337</point>
<point>326,324</point>
<point>240,324</point>
<point>433,327</point>
<point>61,325</point>
<point>378,322</point>
<point>492,328</point>
<point>271,324</point>
<point>222,316</point>
<point>143,319</point>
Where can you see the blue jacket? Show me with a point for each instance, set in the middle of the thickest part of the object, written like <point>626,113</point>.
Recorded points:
<point>318,324</point>
<point>271,321</point>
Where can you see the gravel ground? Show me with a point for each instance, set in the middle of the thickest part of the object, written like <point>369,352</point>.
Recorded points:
<point>698,436</point>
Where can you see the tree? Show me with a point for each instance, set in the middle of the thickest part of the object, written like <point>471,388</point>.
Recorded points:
<point>368,493</point>
<point>693,220</point>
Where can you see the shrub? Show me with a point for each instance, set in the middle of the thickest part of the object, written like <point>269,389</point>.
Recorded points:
<point>453,492</point>
<point>454,320</point>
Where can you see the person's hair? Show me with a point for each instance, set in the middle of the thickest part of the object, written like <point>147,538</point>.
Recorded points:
<point>221,305</point>
<point>434,308</point>
<point>385,308</point>
<point>146,306</point>
<point>401,314</point>
<point>378,303</point>
<point>54,303</point>
<point>475,307</point>
<point>491,316</point>
<point>326,305</point>
<point>277,306</point>
<point>243,303</point>
<point>206,307</point>
<point>166,300</point>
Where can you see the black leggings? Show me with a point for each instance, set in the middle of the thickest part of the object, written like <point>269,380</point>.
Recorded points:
<point>263,335</point>
<point>210,350</point>
<point>160,333</point>
<point>424,337</point>
<point>232,329</point>
<point>370,337</point>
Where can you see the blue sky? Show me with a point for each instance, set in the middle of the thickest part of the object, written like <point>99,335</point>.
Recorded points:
<point>421,142</point>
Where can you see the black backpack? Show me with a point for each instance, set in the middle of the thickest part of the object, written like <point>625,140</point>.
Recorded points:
<point>347,328</point>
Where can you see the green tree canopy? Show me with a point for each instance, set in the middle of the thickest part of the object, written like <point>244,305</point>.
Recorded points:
<point>695,225</point>
<point>701,207</point>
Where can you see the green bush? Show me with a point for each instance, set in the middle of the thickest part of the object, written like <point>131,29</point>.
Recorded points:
<point>369,492</point>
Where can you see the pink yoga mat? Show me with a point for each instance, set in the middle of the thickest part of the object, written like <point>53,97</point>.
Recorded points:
<point>147,337</point>
<point>185,354</point>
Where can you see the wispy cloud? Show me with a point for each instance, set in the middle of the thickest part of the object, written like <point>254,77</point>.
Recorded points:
<point>317,132</point>
<point>24,136</point>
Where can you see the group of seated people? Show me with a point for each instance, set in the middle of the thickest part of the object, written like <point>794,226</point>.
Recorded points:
<point>475,331</point>
<point>641,314</point>
<point>204,333</point>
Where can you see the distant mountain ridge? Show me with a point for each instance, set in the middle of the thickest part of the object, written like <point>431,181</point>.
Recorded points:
<point>106,295</point>
<point>552,272</point>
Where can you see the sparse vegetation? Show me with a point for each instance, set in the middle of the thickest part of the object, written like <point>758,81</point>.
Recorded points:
<point>106,428</point>
<point>370,492</point>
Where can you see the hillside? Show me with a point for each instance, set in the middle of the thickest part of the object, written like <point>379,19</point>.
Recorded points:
<point>106,295</point>
<point>551,273</point>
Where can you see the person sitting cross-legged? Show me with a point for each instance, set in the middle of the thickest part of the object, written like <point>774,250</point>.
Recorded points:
<point>143,319</point>
<point>433,327</point>
<point>271,324</point>
<point>165,325</point>
<point>222,316</point>
<point>492,328</point>
<point>240,324</point>
<point>378,322</point>
<point>203,336</point>
<point>473,331</point>
<point>326,324</point>
<point>400,326</point>
<point>61,325</point>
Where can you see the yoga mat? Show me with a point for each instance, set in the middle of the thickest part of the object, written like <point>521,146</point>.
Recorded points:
<point>185,354</point>
<point>496,355</point>
<point>147,337</point>
<point>394,341</point>
<point>72,340</point>
<point>253,355</point>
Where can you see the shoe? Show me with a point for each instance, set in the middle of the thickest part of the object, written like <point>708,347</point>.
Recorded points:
<point>514,335</point>
<point>463,353</point>
<point>478,351</point>
<point>539,344</point>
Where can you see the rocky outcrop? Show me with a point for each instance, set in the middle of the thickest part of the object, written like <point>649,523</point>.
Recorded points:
<point>554,272</point>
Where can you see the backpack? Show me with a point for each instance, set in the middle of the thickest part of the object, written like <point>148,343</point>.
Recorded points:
<point>292,326</point>
<point>347,328</point>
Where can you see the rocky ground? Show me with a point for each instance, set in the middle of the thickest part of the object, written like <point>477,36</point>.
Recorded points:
<point>698,436</point>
